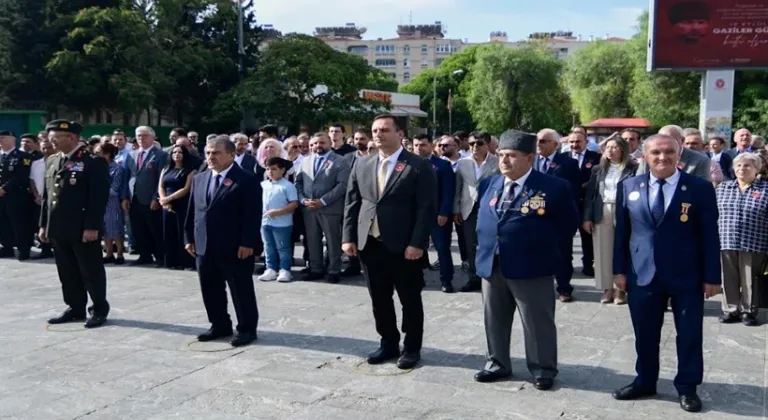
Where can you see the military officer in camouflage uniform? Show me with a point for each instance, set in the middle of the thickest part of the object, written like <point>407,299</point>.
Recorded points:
<point>14,198</point>
<point>75,199</point>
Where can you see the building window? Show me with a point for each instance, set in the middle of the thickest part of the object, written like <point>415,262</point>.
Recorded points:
<point>424,65</point>
<point>386,62</point>
<point>392,75</point>
<point>439,61</point>
<point>446,48</point>
<point>358,50</point>
<point>406,49</point>
<point>385,49</point>
<point>406,76</point>
<point>405,63</point>
<point>424,49</point>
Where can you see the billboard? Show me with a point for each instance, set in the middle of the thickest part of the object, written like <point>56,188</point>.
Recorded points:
<point>708,34</point>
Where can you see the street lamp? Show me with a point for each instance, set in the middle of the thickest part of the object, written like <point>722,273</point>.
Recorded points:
<point>240,53</point>
<point>434,101</point>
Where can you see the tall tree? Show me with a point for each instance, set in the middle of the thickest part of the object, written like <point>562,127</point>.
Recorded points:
<point>300,80</point>
<point>599,80</point>
<point>662,97</point>
<point>518,88</point>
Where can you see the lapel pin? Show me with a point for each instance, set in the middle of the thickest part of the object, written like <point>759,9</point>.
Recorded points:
<point>683,188</point>
<point>642,184</point>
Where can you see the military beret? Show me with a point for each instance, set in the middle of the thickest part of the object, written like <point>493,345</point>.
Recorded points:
<point>65,126</point>
<point>29,136</point>
<point>517,140</point>
<point>688,10</point>
<point>7,133</point>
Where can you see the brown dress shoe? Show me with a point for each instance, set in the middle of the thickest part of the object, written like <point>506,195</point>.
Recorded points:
<point>565,298</point>
<point>621,298</point>
<point>607,296</point>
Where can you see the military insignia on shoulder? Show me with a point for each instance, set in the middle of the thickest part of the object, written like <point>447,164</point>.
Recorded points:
<point>27,162</point>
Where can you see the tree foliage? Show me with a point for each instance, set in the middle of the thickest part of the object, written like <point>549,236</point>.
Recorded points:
<point>518,88</point>
<point>599,80</point>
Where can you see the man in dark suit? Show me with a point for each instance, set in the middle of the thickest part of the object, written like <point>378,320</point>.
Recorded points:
<point>146,165</point>
<point>716,153</point>
<point>517,274</point>
<point>586,160</point>
<point>242,157</point>
<point>742,140</point>
<point>15,206</point>
<point>72,216</point>
<point>390,208</point>
<point>441,231</point>
<point>658,214</point>
<point>560,165</point>
<point>223,234</point>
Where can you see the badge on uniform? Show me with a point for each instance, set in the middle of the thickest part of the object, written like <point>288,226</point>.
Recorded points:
<point>72,181</point>
<point>634,195</point>
<point>684,188</point>
<point>27,162</point>
<point>535,203</point>
<point>75,166</point>
<point>684,212</point>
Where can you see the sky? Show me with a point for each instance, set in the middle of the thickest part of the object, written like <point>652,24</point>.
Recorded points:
<point>463,19</point>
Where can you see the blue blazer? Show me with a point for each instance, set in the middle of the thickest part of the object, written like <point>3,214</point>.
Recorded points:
<point>446,181</point>
<point>681,252</point>
<point>147,177</point>
<point>527,240</point>
<point>564,167</point>
<point>231,219</point>
<point>249,162</point>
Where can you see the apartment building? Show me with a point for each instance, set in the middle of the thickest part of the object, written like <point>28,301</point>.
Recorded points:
<point>563,44</point>
<point>417,47</point>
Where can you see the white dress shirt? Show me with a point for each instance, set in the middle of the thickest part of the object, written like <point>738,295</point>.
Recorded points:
<point>212,182</point>
<point>520,182</point>
<point>392,159</point>
<point>541,160</point>
<point>478,168</point>
<point>609,187</point>
<point>239,160</point>
<point>37,174</point>
<point>579,156</point>
<point>669,189</point>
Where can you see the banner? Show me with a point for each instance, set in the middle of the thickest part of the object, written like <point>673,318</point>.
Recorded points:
<point>708,34</point>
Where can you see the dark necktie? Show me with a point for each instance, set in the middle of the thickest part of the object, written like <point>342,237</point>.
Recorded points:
<point>216,183</point>
<point>506,199</point>
<point>657,210</point>
<point>544,165</point>
<point>140,160</point>
<point>318,163</point>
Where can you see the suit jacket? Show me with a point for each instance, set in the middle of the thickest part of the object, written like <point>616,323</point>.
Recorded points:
<point>328,185</point>
<point>590,160</point>
<point>446,185</point>
<point>466,196</point>
<point>146,178</point>
<point>691,162</point>
<point>593,200</point>
<point>76,194</point>
<point>565,167</point>
<point>229,220</point>
<point>544,214</point>
<point>249,162</point>
<point>14,175</point>
<point>681,252</point>
<point>406,210</point>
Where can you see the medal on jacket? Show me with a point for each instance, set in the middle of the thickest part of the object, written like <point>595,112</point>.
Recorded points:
<point>684,212</point>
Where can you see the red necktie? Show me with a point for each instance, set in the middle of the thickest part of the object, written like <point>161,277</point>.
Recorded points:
<point>141,160</point>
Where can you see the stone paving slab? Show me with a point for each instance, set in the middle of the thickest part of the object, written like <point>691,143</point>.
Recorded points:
<point>308,361</point>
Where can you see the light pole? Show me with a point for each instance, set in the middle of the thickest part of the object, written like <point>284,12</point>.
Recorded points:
<point>240,53</point>
<point>434,102</point>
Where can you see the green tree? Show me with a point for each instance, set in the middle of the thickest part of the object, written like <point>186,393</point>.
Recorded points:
<point>454,76</point>
<point>750,105</point>
<point>599,80</point>
<point>380,80</point>
<point>662,97</point>
<point>518,88</point>
<point>300,80</point>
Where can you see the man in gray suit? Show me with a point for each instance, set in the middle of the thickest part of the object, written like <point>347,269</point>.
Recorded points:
<point>469,172</point>
<point>390,208</point>
<point>321,182</point>
<point>692,162</point>
<point>146,165</point>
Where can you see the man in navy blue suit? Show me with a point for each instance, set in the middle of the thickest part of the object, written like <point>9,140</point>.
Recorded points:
<point>222,233</point>
<point>524,218</point>
<point>441,232</point>
<point>561,165</point>
<point>666,247</point>
<point>242,157</point>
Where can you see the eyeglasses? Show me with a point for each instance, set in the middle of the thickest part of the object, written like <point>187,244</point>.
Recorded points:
<point>476,143</point>
<point>444,145</point>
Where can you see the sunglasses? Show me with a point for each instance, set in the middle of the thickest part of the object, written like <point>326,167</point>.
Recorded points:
<point>444,145</point>
<point>476,143</point>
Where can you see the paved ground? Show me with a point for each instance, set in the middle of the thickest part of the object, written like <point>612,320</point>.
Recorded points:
<point>308,360</point>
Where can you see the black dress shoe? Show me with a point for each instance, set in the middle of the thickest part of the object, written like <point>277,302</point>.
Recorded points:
<point>243,338</point>
<point>382,355</point>
<point>632,392</point>
<point>119,261</point>
<point>333,278</point>
<point>67,316</point>
<point>304,270</point>
<point>214,333</point>
<point>588,271</point>
<point>464,266</point>
<point>486,376</point>
<point>142,261</point>
<point>350,272</point>
<point>24,257</point>
<point>471,286</point>
<point>108,260</point>
<point>448,288</point>
<point>408,360</point>
<point>729,318</point>
<point>43,256</point>
<point>435,266</point>
<point>690,403</point>
<point>749,320</point>
<point>313,276</point>
<point>95,321</point>
<point>543,384</point>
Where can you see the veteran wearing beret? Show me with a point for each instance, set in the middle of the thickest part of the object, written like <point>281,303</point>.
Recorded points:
<point>75,199</point>
<point>518,273</point>
<point>14,198</point>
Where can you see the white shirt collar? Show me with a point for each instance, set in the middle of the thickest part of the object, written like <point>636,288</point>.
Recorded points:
<point>519,181</point>
<point>550,157</point>
<point>222,173</point>
<point>671,181</point>
<point>8,152</point>
<point>393,157</point>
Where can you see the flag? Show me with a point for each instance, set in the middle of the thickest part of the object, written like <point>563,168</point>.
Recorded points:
<point>450,100</point>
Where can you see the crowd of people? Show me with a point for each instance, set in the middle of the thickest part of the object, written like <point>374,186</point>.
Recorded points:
<point>663,221</point>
